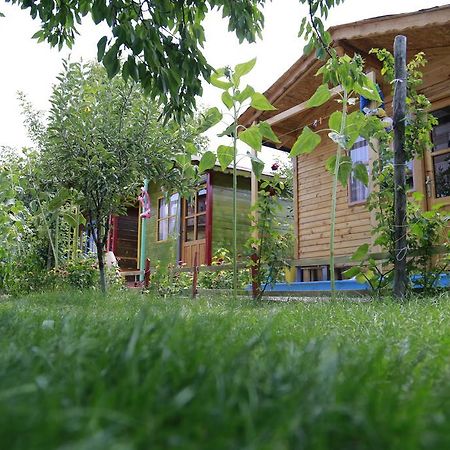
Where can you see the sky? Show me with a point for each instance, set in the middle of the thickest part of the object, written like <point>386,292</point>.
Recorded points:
<point>32,68</point>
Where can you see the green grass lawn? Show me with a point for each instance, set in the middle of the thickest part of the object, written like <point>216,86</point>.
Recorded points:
<point>132,371</point>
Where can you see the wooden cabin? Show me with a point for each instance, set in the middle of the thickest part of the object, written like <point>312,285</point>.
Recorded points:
<point>179,228</point>
<point>427,31</point>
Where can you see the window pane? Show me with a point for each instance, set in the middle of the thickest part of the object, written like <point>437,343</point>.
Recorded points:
<point>163,209</point>
<point>172,223</point>
<point>162,230</point>
<point>201,226</point>
<point>190,207</point>
<point>442,175</point>
<point>441,132</point>
<point>173,205</point>
<point>410,175</point>
<point>201,201</point>
<point>359,154</point>
<point>190,229</point>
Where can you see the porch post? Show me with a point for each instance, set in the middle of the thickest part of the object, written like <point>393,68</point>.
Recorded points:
<point>143,241</point>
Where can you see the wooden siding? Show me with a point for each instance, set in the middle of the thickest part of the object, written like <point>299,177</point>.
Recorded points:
<point>314,185</point>
<point>163,252</point>
<point>222,230</point>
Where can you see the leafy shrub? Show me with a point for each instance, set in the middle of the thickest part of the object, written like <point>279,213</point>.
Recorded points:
<point>222,279</point>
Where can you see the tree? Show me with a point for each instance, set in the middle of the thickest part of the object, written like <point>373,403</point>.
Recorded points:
<point>103,138</point>
<point>160,41</point>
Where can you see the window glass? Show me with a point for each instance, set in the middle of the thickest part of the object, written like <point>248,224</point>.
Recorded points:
<point>190,232</point>
<point>163,209</point>
<point>201,201</point>
<point>190,207</point>
<point>359,154</point>
<point>173,204</point>
<point>201,226</point>
<point>441,132</point>
<point>162,230</point>
<point>441,165</point>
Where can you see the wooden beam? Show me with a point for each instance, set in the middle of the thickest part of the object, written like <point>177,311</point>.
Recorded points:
<point>300,69</point>
<point>297,109</point>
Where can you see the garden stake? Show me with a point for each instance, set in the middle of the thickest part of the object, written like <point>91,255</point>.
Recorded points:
<point>195,277</point>
<point>400,88</point>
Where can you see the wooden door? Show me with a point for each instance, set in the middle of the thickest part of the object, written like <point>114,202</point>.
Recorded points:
<point>437,162</point>
<point>194,229</point>
<point>125,248</point>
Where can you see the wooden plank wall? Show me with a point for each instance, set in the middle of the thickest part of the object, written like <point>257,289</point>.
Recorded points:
<point>314,208</point>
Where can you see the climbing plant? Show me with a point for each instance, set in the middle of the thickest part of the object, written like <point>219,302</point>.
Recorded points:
<point>426,229</point>
<point>236,98</point>
<point>345,78</point>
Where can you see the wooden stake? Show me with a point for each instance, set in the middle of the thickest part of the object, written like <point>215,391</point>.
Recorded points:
<point>400,220</point>
<point>195,276</point>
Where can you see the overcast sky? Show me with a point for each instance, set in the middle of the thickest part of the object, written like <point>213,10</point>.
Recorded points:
<point>32,68</point>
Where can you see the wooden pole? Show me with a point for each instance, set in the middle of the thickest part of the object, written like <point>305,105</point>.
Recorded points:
<point>400,219</point>
<point>195,276</point>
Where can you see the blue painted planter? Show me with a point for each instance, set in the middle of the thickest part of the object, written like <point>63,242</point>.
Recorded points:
<point>316,286</point>
<point>342,285</point>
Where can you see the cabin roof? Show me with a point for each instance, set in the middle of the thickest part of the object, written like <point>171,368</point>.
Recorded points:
<point>426,30</point>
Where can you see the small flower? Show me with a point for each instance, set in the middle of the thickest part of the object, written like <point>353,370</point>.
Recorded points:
<point>275,166</point>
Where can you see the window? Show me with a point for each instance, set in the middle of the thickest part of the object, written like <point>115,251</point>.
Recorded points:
<point>441,153</point>
<point>195,217</point>
<point>359,154</point>
<point>167,217</point>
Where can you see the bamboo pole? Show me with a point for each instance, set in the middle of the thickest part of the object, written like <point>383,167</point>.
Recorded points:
<point>400,220</point>
<point>143,240</point>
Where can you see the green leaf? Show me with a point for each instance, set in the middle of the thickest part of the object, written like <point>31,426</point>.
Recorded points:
<point>368,90</point>
<point>71,219</point>
<point>191,149</point>
<point>261,103</point>
<point>352,272</point>
<point>101,45</point>
<point>242,69</point>
<point>252,137</point>
<point>361,278</point>
<point>321,96</point>
<point>111,62</point>
<point>360,173</point>
<point>344,170</point>
<point>245,94</point>
<point>353,126</point>
<point>216,81</point>
<point>225,155</point>
<point>227,100</point>
<point>305,143</point>
<point>207,162</point>
<point>257,166</point>
<point>210,118</point>
<point>59,199</point>
<point>335,121</point>
<point>360,253</point>
<point>267,132</point>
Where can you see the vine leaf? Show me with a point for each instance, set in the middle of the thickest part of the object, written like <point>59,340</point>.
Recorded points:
<point>207,162</point>
<point>210,118</point>
<point>260,102</point>
<point>257,166</point>
<point>360,253</point>
<point>305,143</point>
<point>243,69</point>
<point>252,137</point>
<point>360,173</point>
<point>267,132</point>
<point>225,155</point>
<point>321,96</point>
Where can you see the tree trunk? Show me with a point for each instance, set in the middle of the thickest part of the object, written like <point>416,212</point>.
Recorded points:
<point>101,266</point>
<point>400,219</point>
